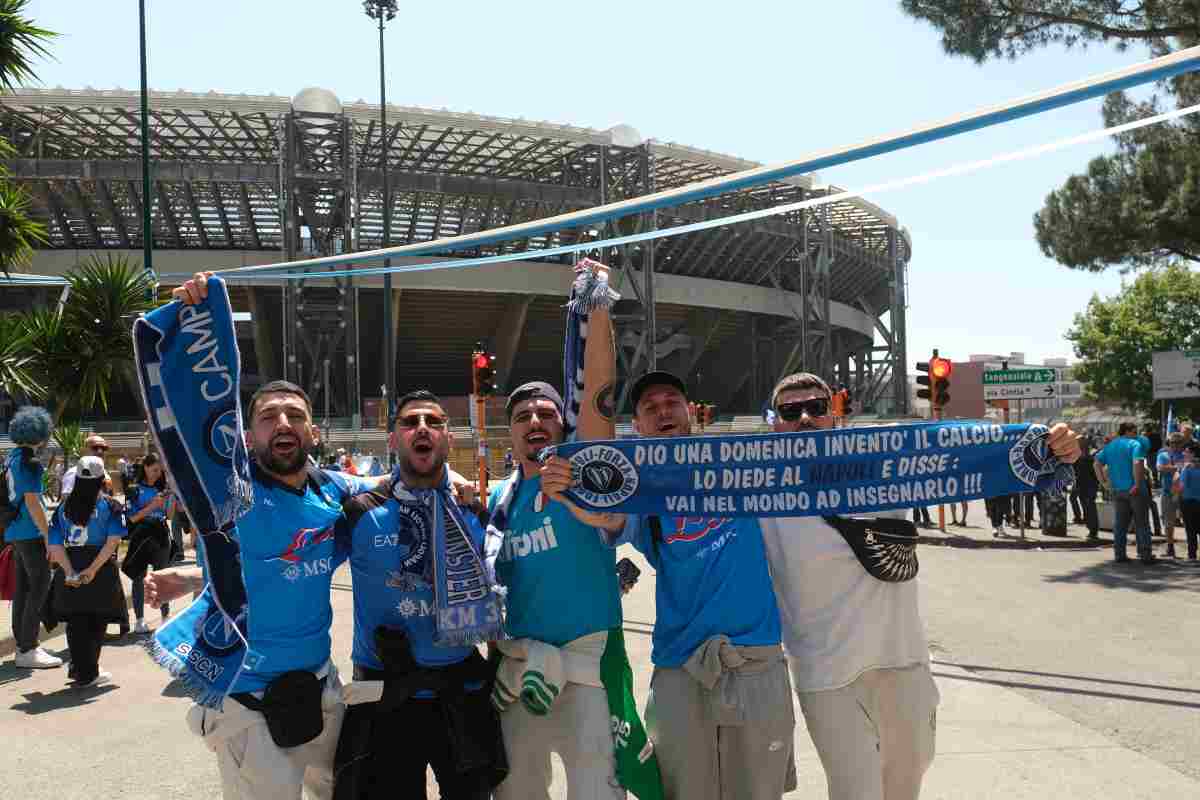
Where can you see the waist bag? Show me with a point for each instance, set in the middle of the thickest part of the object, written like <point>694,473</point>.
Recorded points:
<point>887,548</point>
<point>291,705</point>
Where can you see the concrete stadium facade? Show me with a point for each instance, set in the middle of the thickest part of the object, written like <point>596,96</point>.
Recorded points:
<point>255,180</point>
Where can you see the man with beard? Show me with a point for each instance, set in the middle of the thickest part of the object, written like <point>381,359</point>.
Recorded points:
<point>406,678</point>
<point>855,644</point>
<point>288,558</point>
<point>720,708</point>
<point>562,591</point>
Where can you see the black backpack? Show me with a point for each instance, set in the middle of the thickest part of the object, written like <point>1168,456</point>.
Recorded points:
<point>8,511</point>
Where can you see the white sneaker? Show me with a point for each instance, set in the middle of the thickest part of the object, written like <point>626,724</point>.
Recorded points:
<point>102,679</point>
<point>141,627</point>
<point>37,658</point>
<point>998,532</point>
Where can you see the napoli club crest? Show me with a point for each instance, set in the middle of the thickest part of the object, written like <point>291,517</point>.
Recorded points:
<point>606,476</point>
<point>218,634</point>
<point>1034,465</point>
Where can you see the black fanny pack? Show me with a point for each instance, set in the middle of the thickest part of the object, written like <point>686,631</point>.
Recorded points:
<point>291,705</point>
<point>887,548</point>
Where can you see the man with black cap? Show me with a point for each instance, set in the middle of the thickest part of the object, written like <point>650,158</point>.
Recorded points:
<point>562,591</point>
<point>720,711</point>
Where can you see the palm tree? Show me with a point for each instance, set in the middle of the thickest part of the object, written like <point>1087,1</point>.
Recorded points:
<point>20,43</point>
<point>82,348</point>
<point>17,374</point>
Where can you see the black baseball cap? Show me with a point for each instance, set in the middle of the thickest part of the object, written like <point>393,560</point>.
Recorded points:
<point>533,389</point>
<point>655,378</point>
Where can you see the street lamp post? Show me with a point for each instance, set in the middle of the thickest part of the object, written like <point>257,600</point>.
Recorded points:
<point>384,11</point>
<point>147,230</point>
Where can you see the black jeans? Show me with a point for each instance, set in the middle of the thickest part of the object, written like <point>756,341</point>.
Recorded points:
<point>1076,506</point>
<point>85,638</point>
<point>921,515</point>
<point>32,585</point>
<point>1091,514</point>
<point>1190,511</point>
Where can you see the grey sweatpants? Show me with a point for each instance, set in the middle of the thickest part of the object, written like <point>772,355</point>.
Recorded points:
<point>579,729</point>
<point>875,736</point>
<point>731,743</point>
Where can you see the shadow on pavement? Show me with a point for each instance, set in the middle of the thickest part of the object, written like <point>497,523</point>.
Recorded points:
<point>1040,687</point>
<point>1083,678</point>
<point>1133,574</point>
<point>67,697</point>
<point>176,688</point>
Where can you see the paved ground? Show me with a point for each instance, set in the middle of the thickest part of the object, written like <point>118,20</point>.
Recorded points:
<point>1061,676</point>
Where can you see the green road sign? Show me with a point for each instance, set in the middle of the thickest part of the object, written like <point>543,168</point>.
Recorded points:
<point>1000,377</point>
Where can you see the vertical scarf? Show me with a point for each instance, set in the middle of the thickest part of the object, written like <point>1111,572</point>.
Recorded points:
<point>188,368</point>
<point>468,610</point>
<point>589,291</point>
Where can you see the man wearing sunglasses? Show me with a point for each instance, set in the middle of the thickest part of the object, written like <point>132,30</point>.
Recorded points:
<point>405,681</point>
<point>720,708</point>
<point>856,645</point>
<point>94,445</point>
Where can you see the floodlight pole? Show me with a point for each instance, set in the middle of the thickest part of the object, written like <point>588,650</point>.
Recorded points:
<point>147,231</point>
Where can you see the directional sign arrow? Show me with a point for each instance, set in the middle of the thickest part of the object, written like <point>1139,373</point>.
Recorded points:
<point>1048,391</point>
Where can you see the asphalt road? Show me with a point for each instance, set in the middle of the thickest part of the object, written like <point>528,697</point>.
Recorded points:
<point>1112,647</point>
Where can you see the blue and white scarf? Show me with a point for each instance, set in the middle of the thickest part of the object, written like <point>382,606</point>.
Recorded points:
<point>814,473</point>
<point>189,369</point>
<point>468,610</point>
<point>589,291</point>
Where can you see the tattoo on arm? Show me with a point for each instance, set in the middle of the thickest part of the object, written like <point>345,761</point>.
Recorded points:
<point>605,402</point>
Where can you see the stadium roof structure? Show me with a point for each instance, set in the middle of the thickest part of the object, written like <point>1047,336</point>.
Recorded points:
<point>303,175</point>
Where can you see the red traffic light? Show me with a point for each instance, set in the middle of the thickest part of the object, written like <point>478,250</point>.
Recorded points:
<point>940,367</point>
<point>481,361</point>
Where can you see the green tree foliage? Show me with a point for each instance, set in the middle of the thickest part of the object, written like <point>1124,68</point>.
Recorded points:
<point>82,349</point>
<point>1116,337</point>
<point>17,376</point>
<point>1139,206</point>
<point>21,42</point>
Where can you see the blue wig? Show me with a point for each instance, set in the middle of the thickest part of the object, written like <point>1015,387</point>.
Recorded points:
<point>30,426</point>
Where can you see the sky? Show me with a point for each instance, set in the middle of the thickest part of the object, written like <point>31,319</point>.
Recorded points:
<point>759,79</point>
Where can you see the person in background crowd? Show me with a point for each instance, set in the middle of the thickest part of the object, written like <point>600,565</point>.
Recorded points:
<point>1151,443</point>
<point>56,490</point>
<point>954,507</point>
<point>1087,487</point>
<point>1121,466</point>
<point>147,506</point>
<point>93,445</point>
<point>508,462</point>
<point>30,431</point>
<point>1187,486</point>
<point>1168,462</point>
<point>83,539</point>
<point>1076,506</point>
<point>920,515</point>
<point>1188,434</point>
<point>122,482</point>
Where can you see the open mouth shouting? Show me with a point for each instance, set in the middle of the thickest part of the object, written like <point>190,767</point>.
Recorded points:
<point>667,427</point>
<point>285,445</point>
<point>422,447</point>
<point>537,441</point>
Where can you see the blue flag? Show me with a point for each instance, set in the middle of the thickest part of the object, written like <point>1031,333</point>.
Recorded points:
<point>814,473</point>
<point>188,367</point>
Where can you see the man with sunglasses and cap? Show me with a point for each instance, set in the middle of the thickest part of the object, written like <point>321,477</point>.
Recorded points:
<point>720,708</point>
<point>856,645</point>
<point>562,590</point>
<point>95,445</point>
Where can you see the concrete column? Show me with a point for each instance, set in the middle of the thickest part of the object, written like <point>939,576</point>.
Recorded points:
<point>261,300</point>
<point>507,338</point>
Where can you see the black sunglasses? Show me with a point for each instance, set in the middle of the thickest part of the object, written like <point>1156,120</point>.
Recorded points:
<point>816,407</point>
<point>432,421</point>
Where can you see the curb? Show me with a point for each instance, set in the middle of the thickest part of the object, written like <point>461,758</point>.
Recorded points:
<point>969,543</point>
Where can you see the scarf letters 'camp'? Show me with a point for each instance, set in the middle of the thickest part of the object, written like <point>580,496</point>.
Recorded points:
<point>188,367</point>
<point>814,473</point>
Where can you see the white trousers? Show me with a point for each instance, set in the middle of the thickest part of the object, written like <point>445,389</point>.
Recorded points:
<point>253,767</point>
<point>579,729</point>
<point>876,737</point>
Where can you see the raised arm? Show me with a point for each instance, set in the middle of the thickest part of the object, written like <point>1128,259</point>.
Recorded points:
<point>597,407</point>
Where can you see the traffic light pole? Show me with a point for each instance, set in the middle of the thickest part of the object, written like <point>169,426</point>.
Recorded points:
<point>481,436</point>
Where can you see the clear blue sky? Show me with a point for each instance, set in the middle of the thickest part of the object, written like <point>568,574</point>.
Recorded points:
<point>759,79</point>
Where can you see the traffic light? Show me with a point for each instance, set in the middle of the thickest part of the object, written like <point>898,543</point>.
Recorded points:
<point>940,369</point>
<point>710,413</point>
<point>937,379</point>
<point>483,372</point>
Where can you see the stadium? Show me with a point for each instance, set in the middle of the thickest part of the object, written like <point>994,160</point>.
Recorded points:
<point>242,180</point>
